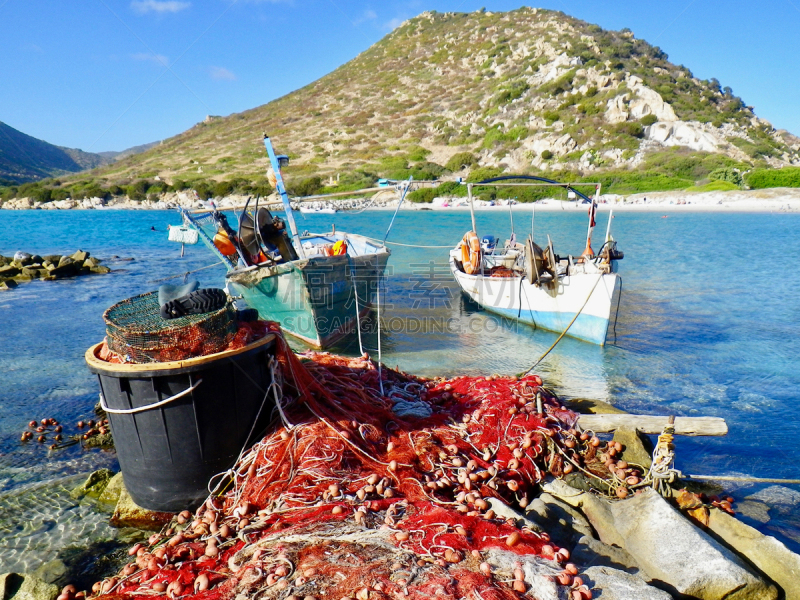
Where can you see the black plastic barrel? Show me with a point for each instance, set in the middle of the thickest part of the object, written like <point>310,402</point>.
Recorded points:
<point>168,453</point>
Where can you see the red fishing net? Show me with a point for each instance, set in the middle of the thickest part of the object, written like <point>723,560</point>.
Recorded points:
<point>404,491</point>
<point>192,345</point>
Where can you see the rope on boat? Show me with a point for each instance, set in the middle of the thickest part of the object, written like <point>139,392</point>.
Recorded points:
<point>563,333</point>
<point>409,245</point>
<point>186,274</point>
<point>406,187</point>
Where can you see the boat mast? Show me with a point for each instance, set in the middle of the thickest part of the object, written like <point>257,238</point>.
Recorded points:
<point>592,212</point>
<point>281,188</point>
<point>471,208</point>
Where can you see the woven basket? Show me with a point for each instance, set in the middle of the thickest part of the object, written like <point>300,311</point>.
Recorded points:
<point>136,330</point>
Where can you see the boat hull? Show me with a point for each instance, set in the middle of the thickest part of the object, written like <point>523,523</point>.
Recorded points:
<point>550,308</point>
<point>316,300</point>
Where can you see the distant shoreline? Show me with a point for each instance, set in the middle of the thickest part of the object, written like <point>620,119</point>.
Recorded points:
<point>772,200</point>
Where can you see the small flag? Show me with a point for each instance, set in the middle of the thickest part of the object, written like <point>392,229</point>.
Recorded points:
<point>592,213</point>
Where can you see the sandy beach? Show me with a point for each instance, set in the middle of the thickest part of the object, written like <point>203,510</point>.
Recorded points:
<point>757,201</point>
<point>768,200</point>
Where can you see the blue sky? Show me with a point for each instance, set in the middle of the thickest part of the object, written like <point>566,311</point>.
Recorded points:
<point>110,74</point>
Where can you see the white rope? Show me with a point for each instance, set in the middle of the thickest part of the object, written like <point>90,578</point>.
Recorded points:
<point>380,366</point>
<point>358,312</point>
<point>230,472</point>
<point>406,245</point>
<point>133,411</point>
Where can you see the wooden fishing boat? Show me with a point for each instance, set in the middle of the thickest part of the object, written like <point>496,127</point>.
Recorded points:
<point>316,286</point>
<point>574,295</point>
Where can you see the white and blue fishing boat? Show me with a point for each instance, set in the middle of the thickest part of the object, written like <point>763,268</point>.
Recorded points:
<point>316,285</point>
<point>572,295</point>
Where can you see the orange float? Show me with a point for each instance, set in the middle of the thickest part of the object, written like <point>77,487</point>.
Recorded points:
<point>471,253</point>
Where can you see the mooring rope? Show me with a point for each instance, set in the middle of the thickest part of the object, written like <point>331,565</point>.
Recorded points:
<point>186,274</point>
<point>563,333</point>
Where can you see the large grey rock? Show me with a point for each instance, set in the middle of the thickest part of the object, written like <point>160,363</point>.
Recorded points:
<point>667,547</point>
<point>25,587</point>
<point>769,555</point>
<point>638,448</point>
<point>784,500</point>
<point>51,571</point>
<point>80,256</point>
<point>611,584</point>
<point>597,510</point>
<point>589,552</point>
<point>504,510</point>
<point>129,514</point>
<point>758,511</point>
<point>539,572</point>
<point>564,524</point>
<point>94,485</point>
<point>112,491</point>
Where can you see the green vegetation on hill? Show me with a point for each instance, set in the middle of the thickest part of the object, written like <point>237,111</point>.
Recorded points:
<point>769,178</point>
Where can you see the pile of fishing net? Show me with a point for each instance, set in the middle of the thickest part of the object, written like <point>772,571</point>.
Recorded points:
<point>377,485</point>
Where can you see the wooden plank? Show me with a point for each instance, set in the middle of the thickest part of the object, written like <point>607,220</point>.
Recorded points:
<point>654,424</point>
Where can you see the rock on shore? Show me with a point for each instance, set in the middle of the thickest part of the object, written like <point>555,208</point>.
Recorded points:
<point>672,552</point>
<point>23,267</point>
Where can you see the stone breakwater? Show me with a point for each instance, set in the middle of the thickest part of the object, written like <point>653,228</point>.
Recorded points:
<point>24,267</point>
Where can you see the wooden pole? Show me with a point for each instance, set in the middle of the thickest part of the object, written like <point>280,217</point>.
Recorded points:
<point>605,423</point>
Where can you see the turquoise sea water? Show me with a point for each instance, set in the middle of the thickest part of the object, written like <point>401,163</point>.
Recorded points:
<point>709,325</point>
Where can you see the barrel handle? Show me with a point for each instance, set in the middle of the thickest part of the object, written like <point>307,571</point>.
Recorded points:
<point>132,411</point>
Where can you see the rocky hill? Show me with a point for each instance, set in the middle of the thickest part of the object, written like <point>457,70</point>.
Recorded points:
<point>25,158</point>
<point>527,91</point>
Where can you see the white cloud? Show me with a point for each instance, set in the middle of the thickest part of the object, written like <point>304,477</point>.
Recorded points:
<point>29,47</point>
<point>368,15</point>
<point>394,24</point>
<point>221,74</point>
<point>158,6</point>
<point>158,59</point>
